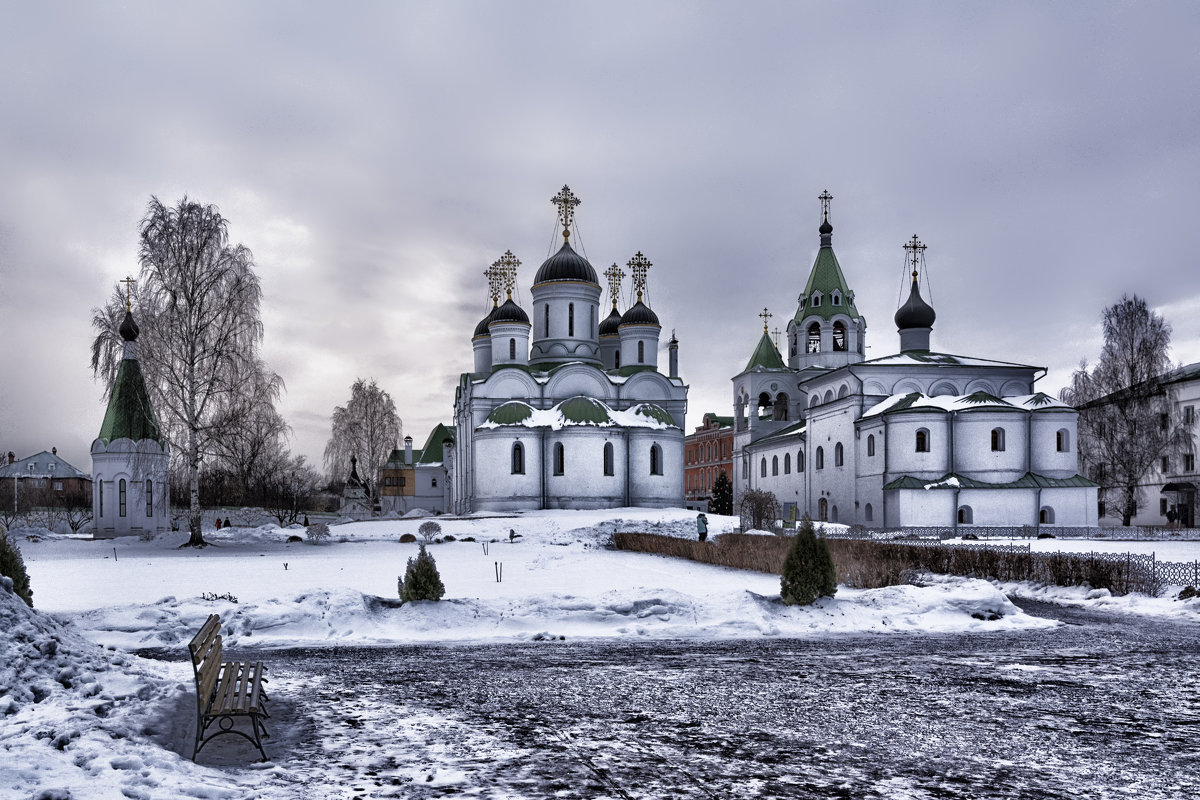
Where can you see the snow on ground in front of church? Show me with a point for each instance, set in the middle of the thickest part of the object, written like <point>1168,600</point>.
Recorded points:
<point>82,717</point>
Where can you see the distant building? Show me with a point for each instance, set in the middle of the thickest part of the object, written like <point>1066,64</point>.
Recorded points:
<point>41,480</point>
<point>917,438</point>
<point>418,478</point>
<point>356,497</point>
<point>706,454</point>
<point>131,492</point>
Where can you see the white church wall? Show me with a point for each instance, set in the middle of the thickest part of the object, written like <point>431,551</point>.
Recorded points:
<point>1000,506</point>
<point>903,456</point>
<point>1072,507</point>
<point>973,453</point>
<point>582,482</point>
<point>497,488</point>
<point>578,379</point>
<point>651,490</point>
<point>507,384</point>
<point>124,464</point>
<point>1047,459</point>
<point>921,508</point>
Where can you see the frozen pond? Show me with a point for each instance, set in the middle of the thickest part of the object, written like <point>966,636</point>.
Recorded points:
<point>1106,706</point>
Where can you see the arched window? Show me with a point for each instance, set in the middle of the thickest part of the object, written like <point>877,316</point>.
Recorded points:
<point>836,298</point>
<point>1046,515</point>
<point>774,466</point>
<point>800,461</point>
<point>1062,440</point>
<point>781,407</point>
<point>833,514</point>
<point>121,497</point>
<point>763,467</point>
<point>641,352</point>
<point>560,459</point>
<point>656,465</point>
<point>617,359</point>
<point>512,349</point>
<point>546,319</point>
<point>149,498</point>
<point>823,509</point>
<point>820,458</point>
<point>764,401</point>
<point>570,319</point>
<point>871,445</point>
<point>608,458</point>
<point>837,455</point>
<point>591,320</point>
<point>787,463</point>
<point>965,515</point>
<point>923,440</point>
<point>869,513</point>
<point>814,338</point>
<point>100,496</point>
<point>518,459</point>
<point>839,336</point>
<point>997,440</point>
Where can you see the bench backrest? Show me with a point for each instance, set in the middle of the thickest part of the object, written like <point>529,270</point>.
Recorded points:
<point>205,649</point>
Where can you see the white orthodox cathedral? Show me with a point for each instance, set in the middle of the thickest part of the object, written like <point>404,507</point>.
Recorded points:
<point>564,409</point>
<point>918,438</point>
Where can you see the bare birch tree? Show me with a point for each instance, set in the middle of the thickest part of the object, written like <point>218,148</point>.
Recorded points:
<point>1125,421</point>
<point>367,427</point>
<point>198,307</point>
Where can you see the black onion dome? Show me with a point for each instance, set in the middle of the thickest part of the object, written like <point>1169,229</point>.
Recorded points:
<point>482,328</point>
<point>825,228</point>
<point>565,265</point>
<point>609,326</point>
<point>640,314</point>
<point>129,328</point>
<point>915,313</point>
<point>509,312</point>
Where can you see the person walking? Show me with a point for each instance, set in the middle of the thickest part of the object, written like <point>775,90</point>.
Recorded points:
<point>702,526</point>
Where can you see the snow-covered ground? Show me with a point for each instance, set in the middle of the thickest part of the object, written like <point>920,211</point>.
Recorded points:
<point>81,717</point>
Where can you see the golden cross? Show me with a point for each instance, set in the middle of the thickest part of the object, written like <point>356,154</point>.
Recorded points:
<point>915,251</point>
<point>776,333</point>
<point>507,265</point>
<point>638,266</point>
<point>825,197</point>
<point>493,276</point>
<point>615,275</point>
<point>566,202</point>
<point>766,315</point>
<point>129,282</point>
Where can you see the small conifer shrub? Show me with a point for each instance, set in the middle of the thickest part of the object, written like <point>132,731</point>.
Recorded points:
<point>421,580</point>
<point>808,571</point>
<point>13,566</point>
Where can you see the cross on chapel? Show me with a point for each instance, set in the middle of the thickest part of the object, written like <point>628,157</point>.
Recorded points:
<point>566,202</point>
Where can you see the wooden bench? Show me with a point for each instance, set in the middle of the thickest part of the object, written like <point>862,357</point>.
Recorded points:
<point>226,691</point>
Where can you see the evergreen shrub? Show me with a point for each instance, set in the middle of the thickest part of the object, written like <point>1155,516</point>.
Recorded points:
<point>421,580</point>
<point>13,566</point>
<point>808,571</point>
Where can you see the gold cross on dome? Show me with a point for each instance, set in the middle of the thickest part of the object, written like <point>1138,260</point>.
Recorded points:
<point>775,333</point>
<point>915,251</point>
<point>494,280</point>
<point>507,267</point>
<point>615,275</point>
<point>638,265</point>
<point>825,197</point>
<point>129,282</point>
<point>566,202</point>
<point>766,315</point>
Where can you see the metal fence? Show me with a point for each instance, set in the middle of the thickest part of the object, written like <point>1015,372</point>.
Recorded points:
<point>1130,533</point>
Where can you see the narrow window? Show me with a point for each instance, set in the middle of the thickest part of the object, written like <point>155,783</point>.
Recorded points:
<point>617,359</point>
<point>560,459</point>
<point>871,445</point>
<point>101,497</point>
<point>1189,415</point>
<point>800,461</point>
<point>787,463</point>
<point>512,349</point>
<point>1164,421</point>
<point>837,299</point>
<point>997,440</point>
<point>839,336</point>
<point>149,498</point>
<point>641,352</point>
<point>570,319</point>
<point>546,320</point>
<point>1162,506</point>
<point>518,460</point>
<point>833,514</point>
<point>923,441</point>
<point>814,338</point>
<point>121,497</point>
<point>1189,462</point>
<point>433,483</point>
<point>591,321</point>
<point>820,458</point>
<point>965,515</point>
<point>837,455</point>
<point>1062,441</point>
<point>763,467</point>
<point>774,466</point>
<point>869,513</point>
<point>1166,464</point>
<point>823,508</point>
<point>816,303</point>
<point>608,459</point>
<point>655,460</point>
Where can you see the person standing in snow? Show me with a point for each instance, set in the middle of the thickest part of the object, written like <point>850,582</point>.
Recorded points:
<point>702,526</point>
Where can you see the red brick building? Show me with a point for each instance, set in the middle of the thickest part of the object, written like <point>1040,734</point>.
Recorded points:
<point>706,453</point>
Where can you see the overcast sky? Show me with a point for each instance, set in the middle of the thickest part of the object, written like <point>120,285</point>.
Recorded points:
<point>375,157</point>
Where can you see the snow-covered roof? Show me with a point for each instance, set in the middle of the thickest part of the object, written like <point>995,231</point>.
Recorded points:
<point>578,410</point>
<point>976,401</point>
<point>927,358</point>
<point>42,465</point>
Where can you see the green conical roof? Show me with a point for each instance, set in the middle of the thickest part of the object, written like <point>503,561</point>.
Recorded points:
<point>130,414</point>
<point>766,356</point>
<point>825,277</point>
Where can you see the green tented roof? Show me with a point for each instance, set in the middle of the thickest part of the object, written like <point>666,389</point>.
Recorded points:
<point>432,453</point>
<point>130,414</point>
<point>1029,480</point>
<point>825,277</point>
<point>766,356</point>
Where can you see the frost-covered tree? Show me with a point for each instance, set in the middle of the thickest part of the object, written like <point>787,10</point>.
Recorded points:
<point>759,510</point>
<point>421,580</point>
<point>288,486</point>
<point>198,308</point>
<point>721,501</point>
<point>251,433</point>
<point>808,571</point>
<point>1125,420</point>
<point>367,427</point>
